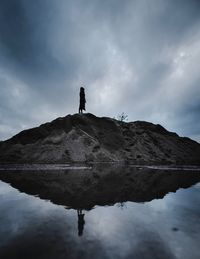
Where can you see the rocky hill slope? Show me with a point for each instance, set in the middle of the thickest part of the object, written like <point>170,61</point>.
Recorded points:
<point>87,138</point>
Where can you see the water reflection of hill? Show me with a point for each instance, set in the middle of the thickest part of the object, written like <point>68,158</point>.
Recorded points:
<point>102,185</point>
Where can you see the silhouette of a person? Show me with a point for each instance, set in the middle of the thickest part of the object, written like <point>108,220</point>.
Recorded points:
<point>81,222</point>
<point>82,100</point>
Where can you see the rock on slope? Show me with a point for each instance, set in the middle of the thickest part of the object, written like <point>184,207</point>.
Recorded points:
<point>85,138</point>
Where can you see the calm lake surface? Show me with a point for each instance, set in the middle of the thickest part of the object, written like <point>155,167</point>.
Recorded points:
<point>103,212</point>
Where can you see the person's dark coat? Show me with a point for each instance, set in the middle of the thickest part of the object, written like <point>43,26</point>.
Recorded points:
<point>82,100</point>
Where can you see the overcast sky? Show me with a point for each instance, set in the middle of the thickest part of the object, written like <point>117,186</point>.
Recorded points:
<point>141,57</point>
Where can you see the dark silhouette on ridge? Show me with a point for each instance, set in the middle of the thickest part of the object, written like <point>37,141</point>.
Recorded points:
<point>82,100</point>
<point>81,222</point>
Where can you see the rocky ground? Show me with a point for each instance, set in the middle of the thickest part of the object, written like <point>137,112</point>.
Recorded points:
<point>87,138</point>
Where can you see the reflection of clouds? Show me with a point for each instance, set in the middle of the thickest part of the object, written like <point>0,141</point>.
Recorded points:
<point>5,189</point>
<point>197,186</point>
<point>176,204</point>
<point>19,211</point>
<point>157,205</point>
<point>142,230</point>
<point>143,227</point>
<point>128,232</point>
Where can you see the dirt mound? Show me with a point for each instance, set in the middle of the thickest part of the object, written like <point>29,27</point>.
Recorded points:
<point>87,138</point>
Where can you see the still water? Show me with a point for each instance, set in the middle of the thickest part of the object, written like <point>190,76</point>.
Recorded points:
<point>100,212</point>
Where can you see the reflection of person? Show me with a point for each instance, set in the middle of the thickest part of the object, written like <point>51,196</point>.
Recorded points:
<point>81,222</point>
<point>82,100</point>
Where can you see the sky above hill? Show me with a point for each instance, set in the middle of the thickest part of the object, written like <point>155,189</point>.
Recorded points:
<point>139,57</point>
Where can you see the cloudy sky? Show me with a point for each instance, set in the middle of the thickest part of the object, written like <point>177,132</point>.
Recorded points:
<point>140,57</point>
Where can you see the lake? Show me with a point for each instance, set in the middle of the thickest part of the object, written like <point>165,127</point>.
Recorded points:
<point>99,211</point>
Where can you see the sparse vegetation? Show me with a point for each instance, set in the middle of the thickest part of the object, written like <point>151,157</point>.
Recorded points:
<point>122,117</point>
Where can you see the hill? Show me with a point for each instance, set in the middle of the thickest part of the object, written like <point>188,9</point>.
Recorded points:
<point>87,138</point>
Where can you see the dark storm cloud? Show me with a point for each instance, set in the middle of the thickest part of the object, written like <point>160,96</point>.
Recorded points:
<point>140,57</point>
<point>24,38</point>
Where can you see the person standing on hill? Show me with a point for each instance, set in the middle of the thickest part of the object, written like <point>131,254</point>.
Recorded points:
<point>82,100</point>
